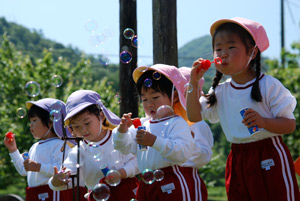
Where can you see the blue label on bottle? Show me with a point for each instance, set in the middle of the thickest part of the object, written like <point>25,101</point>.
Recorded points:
<point>25,155</point>
<point>252,130</point>
<point>142,147</point>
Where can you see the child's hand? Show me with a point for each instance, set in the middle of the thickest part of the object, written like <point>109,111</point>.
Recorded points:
<point>145,138</point>
<point>197,73</point>
<point>31,165</point>
<point>253,118</point>
<point>10,143</point>
<point>125,123</point>
<point>60,177</point>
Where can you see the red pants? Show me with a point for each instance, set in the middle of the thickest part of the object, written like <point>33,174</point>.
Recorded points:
<point>126,190</point>
<point>179,183</point>
<point>44,193</point>
<point>261,171</point>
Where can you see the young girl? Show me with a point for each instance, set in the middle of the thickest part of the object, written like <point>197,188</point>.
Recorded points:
<point>168,139</point>
<point>259,166</point>
<point>88,118</point>
<point>44,154</point>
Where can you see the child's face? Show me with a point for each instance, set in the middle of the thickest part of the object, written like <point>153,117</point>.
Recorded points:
<point>233,53</point>
<point>87,125</point>
<point>152,100</point>
<point>37,128</point>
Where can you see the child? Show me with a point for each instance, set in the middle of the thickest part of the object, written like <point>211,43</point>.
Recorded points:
<point>88,118</point>
<point>44,154</point>
<point>259,166</point>
<point>169,139</point>
<point>201,131</point>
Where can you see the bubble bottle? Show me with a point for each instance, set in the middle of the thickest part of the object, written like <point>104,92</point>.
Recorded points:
<point>137,124</point>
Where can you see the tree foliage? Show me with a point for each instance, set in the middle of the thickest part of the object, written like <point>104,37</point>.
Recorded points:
<point>16,70</point>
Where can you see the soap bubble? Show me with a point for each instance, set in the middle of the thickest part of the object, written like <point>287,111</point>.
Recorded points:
<point>32,88</point>
<point>164,111</point>
<point>128,33</point>
<point>57,80</point>
<point>113,178</point>
<point>21,112</point>
<point>147,176</point>
<point>158,175</point>
<point>101,192</point>
<point>125,57</point>
<point>148,82</point>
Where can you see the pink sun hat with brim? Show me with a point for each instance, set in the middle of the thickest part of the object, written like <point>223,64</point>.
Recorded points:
<point>51,104</point>
<point>81,99</point>
<point>171,72</point>
<point>255,29</point>
<point>186,72</point>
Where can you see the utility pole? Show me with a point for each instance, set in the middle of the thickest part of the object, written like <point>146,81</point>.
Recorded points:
<point>282,52</point>
<point>128,93</point>
<point>165,48</point>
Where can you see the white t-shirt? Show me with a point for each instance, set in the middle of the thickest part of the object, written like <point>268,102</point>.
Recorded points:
<point>277,101</point>
<point>47,153</point>
<point>173,145</point>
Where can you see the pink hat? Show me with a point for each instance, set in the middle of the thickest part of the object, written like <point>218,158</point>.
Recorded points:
<point>171,72</point>
<point>255,29</point>
<point>186,72</point>
<point>81,99</point>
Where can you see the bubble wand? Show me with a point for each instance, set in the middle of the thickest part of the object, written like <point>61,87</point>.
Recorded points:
<point>205,63</point>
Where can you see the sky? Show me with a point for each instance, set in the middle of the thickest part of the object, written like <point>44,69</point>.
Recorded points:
<point>69,22</point>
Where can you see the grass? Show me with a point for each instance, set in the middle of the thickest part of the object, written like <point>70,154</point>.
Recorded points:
<point>217,193</point>
<point>17,189</point>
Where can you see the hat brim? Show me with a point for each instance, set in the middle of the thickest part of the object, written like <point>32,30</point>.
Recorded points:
<point>110,116</point>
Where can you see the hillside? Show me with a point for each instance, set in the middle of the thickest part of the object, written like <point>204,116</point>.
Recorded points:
<point>33,42</point>
<point>199,47</point>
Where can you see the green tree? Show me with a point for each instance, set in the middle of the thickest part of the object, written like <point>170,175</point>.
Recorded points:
<point>16,70</point>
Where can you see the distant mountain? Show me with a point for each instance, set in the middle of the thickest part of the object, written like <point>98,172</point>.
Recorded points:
<point>199,47</point>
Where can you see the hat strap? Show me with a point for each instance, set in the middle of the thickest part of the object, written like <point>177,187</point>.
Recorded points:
<point>172,96</point>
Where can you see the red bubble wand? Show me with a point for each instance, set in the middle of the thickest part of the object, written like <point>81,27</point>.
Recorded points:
<point>205,64</point>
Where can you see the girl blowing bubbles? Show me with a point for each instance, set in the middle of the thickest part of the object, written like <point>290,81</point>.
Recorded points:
<point>259,167</point>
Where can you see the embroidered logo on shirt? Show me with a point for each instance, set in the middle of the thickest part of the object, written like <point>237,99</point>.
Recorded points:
<point>168,188</point>
<point>43,196</point>
<point>266,164</point>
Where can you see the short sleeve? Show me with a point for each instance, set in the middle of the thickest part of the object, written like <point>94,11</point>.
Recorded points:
<point>208,113</point>
<point>280,100</point>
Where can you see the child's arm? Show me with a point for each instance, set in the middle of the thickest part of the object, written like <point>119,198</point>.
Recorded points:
<point>15,155</point>
<point>123,137</point>
<point>204,143</point>
<point>279,125</point>
<point>130,168</point>
<point>193,106</point>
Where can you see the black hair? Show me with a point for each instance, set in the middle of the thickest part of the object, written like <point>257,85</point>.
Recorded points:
<point>248,41</point>
<point>162,85</point>
<point>42,114</point>
<point>92,109</point>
